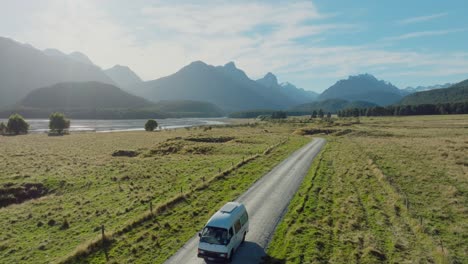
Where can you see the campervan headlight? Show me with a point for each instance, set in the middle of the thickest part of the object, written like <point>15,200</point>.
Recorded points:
<point>201,251</point>
<point>223,255</point>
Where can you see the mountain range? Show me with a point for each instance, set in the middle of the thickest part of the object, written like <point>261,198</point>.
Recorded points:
<point>23,69</point>
<point>226,86</point>
<point>456,93</point>
<point>410,90</point>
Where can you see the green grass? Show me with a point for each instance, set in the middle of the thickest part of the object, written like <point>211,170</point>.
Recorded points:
<point>384,190</point>
<point>88,187</point>
<point>390,190</point>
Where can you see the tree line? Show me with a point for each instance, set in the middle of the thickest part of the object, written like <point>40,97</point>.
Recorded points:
<point>406,110</point>
<point>58,125</point>
<point>17,125</point>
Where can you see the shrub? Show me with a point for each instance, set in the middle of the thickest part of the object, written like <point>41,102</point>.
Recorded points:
<point>17,125</point>
<point>2,128</point>
<point>58,123</point>
<point>51,222</point>
<point>65,224</point>
<point>151,125</point>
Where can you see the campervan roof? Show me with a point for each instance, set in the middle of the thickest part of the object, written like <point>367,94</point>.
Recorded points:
<point>224,218</point>
<point>229,207</point>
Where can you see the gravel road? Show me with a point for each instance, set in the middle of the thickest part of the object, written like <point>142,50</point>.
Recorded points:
<point>266,202</point>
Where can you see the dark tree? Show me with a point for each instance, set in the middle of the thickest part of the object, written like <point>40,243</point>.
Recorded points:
<point>17,125</point>
<point>328,115</point>
<point>151,125</point>
<point>58,123</point>
<point>279,115</point>
<point>314,114</point>
<point>2,128</point>
<point>320,113</point>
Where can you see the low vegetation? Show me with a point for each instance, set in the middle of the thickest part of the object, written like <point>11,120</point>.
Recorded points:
<point>58,124</point>
<point>151,125</point>
<point>385,190</point>
<point>16,125</point>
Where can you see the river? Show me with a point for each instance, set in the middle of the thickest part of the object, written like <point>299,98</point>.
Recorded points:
<point>77,125</point>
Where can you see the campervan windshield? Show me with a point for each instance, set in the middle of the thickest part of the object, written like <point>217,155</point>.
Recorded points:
<point>214,235</point>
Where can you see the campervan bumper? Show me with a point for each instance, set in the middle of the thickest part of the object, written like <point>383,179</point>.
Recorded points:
<point>210,255</point>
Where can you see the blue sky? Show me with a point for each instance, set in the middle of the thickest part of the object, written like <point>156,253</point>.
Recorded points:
<point>309,43</point>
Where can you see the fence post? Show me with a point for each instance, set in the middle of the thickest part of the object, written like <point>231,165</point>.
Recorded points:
<point>103,235</point>
<point>151,207</point>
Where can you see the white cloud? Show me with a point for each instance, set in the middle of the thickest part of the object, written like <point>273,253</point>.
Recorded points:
<point>158,38</point>
<point>426,34</point>
<point>418,19</point>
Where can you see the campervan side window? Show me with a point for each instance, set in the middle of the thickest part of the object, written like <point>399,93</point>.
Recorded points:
<point>237,226</point>
<point>244,218</point>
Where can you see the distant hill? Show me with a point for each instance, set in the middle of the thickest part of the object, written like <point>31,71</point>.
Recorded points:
<point>330,105</point>
<point>24,68</point>
<point>410,90</point>
<point>225,86</point>
<point>454,94</point>
<point>94,100</point>
<point>82,95</point>
<point>298,94</point>
<point>186,108</point>
<point>364,87</point>
<point>122,76</point>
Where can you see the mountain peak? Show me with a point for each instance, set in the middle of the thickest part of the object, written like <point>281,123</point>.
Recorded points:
<point>269,80</point>
<point>122,75</point>
<point>363,76</point>
<point>363,87</point>
<point>78,56</point>
<point>230,65</point>
<point>197,63</point>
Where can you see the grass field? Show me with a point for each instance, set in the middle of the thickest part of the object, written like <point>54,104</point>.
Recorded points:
<point>385,190</point>
<point>79,186</point>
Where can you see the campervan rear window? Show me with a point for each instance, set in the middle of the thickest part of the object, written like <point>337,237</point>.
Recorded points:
<point>244,218</point>
<point>237,226</point>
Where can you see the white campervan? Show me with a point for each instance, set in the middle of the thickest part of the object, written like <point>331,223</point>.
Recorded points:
<point>224,232</point>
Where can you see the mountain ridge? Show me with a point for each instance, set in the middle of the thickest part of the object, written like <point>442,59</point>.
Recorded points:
<point>226,86</point>
<point>363,87</point>
<point>123,76</point>
<point>24,68</point>
<point>453,94</point>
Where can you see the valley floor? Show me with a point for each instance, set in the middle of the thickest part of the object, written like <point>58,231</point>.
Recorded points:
<point>384,190</point>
